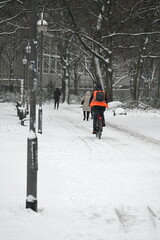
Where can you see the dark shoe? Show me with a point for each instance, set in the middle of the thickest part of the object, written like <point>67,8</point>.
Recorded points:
<point>94,132</point>
<point>104,124</point>
<point>83,119</point>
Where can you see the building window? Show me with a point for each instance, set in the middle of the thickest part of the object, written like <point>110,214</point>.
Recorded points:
<point>46,65</point>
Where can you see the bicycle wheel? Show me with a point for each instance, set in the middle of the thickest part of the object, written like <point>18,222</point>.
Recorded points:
<point>99,128</point>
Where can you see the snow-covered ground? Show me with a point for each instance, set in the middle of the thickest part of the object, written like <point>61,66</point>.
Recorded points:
<point>88,189</point>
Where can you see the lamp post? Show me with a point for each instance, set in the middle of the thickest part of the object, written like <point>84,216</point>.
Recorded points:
<point>28,51</point>
<point>41,27</point>
<point>24,81</point>
<point>32,141</point>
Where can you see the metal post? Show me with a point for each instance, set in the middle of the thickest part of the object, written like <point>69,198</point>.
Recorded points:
<point>32,146</point>
<point>28,51</point>
<point>40,82</point>
<point>24,81</point>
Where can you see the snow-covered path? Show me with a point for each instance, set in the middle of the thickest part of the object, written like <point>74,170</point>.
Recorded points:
<point>88,189</point>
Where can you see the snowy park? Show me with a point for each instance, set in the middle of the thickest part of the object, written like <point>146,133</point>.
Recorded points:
<point>59,61</point>
<point>88,188</point>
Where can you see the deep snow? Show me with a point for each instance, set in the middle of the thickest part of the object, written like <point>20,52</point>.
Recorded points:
<point>88,189</point>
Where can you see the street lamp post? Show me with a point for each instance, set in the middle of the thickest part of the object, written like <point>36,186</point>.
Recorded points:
<point>24,81</point>
<point>28,51</point>
<point>41,27</point>
<point>32,141</point>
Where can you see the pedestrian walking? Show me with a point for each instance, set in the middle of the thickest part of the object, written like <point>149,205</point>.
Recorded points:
<point>86,107</point>
<point>57,95</point>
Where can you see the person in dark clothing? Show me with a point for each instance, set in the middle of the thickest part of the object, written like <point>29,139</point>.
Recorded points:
<point>98,106</point>
<point>57,95</point>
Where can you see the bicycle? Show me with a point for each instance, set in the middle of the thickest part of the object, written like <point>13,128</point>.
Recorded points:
<point>99,126</point>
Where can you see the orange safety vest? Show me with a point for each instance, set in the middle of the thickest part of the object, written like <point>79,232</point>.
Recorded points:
<point>96,103</point>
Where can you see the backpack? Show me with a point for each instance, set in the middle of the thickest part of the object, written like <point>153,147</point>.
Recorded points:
<point>100,96</point>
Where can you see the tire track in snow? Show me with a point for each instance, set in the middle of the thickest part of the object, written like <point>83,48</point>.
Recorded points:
<point>134,134</point>
<point>153,216</point>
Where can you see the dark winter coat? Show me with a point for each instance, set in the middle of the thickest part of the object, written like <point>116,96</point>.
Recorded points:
<point>57,94</point>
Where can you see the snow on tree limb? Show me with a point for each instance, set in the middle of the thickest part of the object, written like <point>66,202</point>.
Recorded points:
<point>130,34</point>
<point>11,18</point>
<point>14,31</point>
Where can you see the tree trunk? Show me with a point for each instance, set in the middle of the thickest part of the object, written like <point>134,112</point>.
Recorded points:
<point>63,89</point>
<point>139,67</point>
<point>158,92</point>
<point>98,72</point>
<point>76,87</point>
<point>67,90</point>
<point>137,78</point>
<point>109,73</point>
<point>158,89</point>
<point>108,85</point>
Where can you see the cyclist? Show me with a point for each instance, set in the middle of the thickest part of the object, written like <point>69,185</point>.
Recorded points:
<point>98,103</point>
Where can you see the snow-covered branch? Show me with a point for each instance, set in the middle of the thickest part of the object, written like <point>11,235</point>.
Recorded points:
<point>150,56</point>
<point>128,47</point>
<point>52,69</point>
<point>123,8</point>
<point>121,65</point>
<point>88,71</point>
<point>130,34</point>
<point>119,80</point>
<point>96,42</point>
<point>11,18</point>
<point>4,3</point>
<point>53,57</point>
<point>14,31</point>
